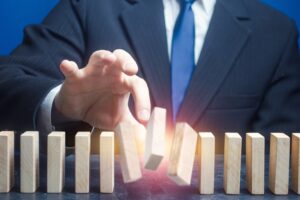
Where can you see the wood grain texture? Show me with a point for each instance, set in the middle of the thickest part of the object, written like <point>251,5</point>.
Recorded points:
<point>56,162</point>
<point>206,147</point>
<point>82,162</point>
<point>107,162</point>
<point>6,161</point>
<point>279,163</point>
<point>255,163</point>
<point>129,159</point>
<point>182,154</point>
<point>232,163</point>
<point>295,162</point>
<point>29,162</point>
<point>155,139</point>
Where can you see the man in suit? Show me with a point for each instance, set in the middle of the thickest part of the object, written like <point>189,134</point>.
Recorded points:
<point>68,72</point>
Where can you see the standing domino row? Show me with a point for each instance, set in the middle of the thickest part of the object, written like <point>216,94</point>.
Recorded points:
<point>182,160</point>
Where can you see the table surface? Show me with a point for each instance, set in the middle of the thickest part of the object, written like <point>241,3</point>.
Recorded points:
<point>153,185</point>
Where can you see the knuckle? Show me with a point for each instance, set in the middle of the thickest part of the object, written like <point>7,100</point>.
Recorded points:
<point>99,54</point>
<point>119,51</point>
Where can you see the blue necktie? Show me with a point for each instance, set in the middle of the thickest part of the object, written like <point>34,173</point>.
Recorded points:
<point>182,55</point>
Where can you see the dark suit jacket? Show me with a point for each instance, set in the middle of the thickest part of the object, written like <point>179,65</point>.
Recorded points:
<point>247,77</point>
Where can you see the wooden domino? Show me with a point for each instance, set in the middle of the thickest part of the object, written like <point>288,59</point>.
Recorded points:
<point>232,163</point>
<point>107,162</point>
<point>279,163</point>
<point>186,142</point>
<point>129,159</point>
<point>56,162</point>
<point>255,163</point>
<point>29,161</point>
<point>206,162</point>
<point>6,161</point>
<point>182,154</point>
<point>155,139</point>
<point>295,162</point>
<point>82,162</point>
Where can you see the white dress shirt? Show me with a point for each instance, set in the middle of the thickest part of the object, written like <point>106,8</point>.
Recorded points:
<point>203,10</point>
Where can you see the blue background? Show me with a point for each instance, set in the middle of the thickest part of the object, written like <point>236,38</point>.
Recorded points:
<point>15,14</point>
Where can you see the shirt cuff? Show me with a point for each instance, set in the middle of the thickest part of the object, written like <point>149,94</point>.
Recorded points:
<point>44,122</point>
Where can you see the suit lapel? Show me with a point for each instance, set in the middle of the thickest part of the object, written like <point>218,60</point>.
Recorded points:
<point>145,26</point>
<point>225,39</point>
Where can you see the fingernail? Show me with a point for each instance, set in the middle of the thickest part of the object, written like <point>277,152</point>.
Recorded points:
<point>144,115</point>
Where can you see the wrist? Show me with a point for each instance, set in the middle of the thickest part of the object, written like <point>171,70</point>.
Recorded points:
<point>58,118</point>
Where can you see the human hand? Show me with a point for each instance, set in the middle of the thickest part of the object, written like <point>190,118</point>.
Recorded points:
<point>99,93</point>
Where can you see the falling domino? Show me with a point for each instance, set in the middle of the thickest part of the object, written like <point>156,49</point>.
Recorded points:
<point>295,162</point>
<point>56,162</point>
<point>107,162</point>
<point>82,162</point>
<point>29,161</point>
<point>129,160</point>
<point>6,161</point>
<point>182,154</point>
<point>206,163</point>
<point>255,163</point>
<point>155,139</point>
<point>279,163</point>
<point>232,163</point>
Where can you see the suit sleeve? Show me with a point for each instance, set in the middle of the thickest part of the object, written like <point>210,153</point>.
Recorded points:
<point>280,109</point>
<point>32,69</point>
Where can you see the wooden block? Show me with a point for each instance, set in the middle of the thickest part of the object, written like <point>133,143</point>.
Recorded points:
<point>255,163</point>
<point>182,154</point>
<point>279,163</point>
<point>155,139</point>
<point>6,161</point>
<point>232,163</point>
<point>107,162</point>
<point>295,162</point>
<point>82,162</point>
<point>129,160</point>
<point>56,162</point>
<point>95,148</point>
<point>206,163</point>
<point>29,170</point>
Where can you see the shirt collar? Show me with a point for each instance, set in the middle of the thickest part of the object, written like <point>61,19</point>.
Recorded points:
<point>208,5</point>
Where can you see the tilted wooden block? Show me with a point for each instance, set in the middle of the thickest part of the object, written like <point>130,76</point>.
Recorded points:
<point>82,162</point>
<point>295,162</point>
<point>6,161</point>
<point>255,163</point>
<point>155,139</point>
<point>129,159</point>
<point>232,163</point>
<point>206,162</point>
<point>29,161</point>
<point>56,162</point>
<point>279,163</point>
<point>107,162</point>
<point>182,154</point>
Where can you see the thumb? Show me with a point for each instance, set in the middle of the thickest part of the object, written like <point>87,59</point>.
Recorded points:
<point>69,68</point>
